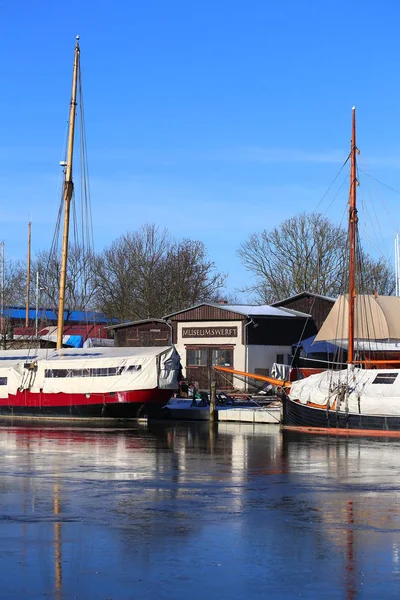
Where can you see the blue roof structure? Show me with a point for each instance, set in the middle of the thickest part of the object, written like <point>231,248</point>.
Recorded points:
<point>311,347</point>
<point>76,316</point>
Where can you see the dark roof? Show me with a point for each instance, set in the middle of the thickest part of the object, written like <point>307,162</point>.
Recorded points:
<point>132,323</point>
<point>247,310</point>
<point>303,295</point>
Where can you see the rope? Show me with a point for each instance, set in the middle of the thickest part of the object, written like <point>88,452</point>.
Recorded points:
<point>333,182</point>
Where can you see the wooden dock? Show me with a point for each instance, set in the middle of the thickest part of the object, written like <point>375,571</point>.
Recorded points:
<point>271,415</point>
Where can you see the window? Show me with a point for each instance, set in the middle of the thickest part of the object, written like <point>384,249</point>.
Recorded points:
<point>96,372</point>
<point>221,358</point>
<point>3,380</point>
<point>260,371</point>
<point>385,378</point>
<point>196,358</point>
<point>280,359</point>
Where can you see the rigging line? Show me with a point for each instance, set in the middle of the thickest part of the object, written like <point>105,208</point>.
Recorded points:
<point>392,218</point>
<point>377,231</point>
<point>89,221</point>
<point>343,217</point>
<point>331,185</point>
<point>52,254</point>
<point>378,181</point>
<point>365,306</point>
<point>80,243</point>
<point>374,324</point>
<point>86,224</point>
<point>339,354</point>
<point>337,194</point>
<point>257,385</point>
<point>320,360</point>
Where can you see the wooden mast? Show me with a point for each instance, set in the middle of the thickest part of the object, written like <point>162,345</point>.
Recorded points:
<point>68,191</point>
<point>352,237</point>
<point>28,276</point>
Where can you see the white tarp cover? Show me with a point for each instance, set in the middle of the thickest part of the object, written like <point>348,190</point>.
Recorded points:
<point>376,318</point>
<point>375,398</point>
<point>84,370</point>
<point>371,345</point>
<point>279,371</point>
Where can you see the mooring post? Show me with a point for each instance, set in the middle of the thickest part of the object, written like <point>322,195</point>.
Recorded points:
<point>212,400</point>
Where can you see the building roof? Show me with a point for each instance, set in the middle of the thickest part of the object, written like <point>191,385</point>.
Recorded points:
<point>133,323</point>
<point>302,294</point>
<point>18,312</point>
<point>247,310</point>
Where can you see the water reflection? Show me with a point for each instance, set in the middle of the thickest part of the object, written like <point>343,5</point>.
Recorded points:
<point>162,510</point>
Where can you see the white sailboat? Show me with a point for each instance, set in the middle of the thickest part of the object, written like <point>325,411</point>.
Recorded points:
<point>365,396</point>
<point>84,383</point>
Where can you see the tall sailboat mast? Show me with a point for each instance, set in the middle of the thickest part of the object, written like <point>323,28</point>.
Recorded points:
<point>28,276</point>
<point>352,236</point>
<point>397,262</point>
<point>68,191</point>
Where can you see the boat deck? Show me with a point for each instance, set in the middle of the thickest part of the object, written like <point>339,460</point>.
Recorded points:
<point>184,409</point>
<point>272,415</point>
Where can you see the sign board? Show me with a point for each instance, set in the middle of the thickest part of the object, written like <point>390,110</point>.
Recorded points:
<point>207,332</point>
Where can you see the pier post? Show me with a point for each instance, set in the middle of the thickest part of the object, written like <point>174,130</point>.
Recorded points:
<point>212,400</point>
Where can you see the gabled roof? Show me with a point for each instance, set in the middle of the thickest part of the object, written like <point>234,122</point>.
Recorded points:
<point>130,323</point>
<point>301,295</point>
<point>247,310</point>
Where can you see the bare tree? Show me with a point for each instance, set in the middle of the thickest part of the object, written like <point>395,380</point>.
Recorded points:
<point>190,277</point>
<point>306,252</point>
<point>81,280</point>
<point>14,283</point>
<point>13,293</point>
<point>147,274</point>
<point>376,276</point>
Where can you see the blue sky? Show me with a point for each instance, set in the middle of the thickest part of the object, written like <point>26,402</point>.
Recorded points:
<point>214,119</point>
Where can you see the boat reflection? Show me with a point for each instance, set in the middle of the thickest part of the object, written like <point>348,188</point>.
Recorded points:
<point>57,541</point>
<point>164,503</point>
<point>352,488</point>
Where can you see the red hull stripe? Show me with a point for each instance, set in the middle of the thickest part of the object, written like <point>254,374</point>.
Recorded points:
<point>343,432</point>
<point>27,398</point>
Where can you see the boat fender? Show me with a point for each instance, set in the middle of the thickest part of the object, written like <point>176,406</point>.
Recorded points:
<point>327,412</point>
<point>346,407</point>
<point>341,395</point>
<point>104,410</point>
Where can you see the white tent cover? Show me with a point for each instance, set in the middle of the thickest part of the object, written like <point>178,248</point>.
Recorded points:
<point>89,370</point>
<point>371,391</point>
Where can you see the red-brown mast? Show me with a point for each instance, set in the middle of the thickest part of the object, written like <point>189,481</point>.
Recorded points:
<point>352,237</point>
